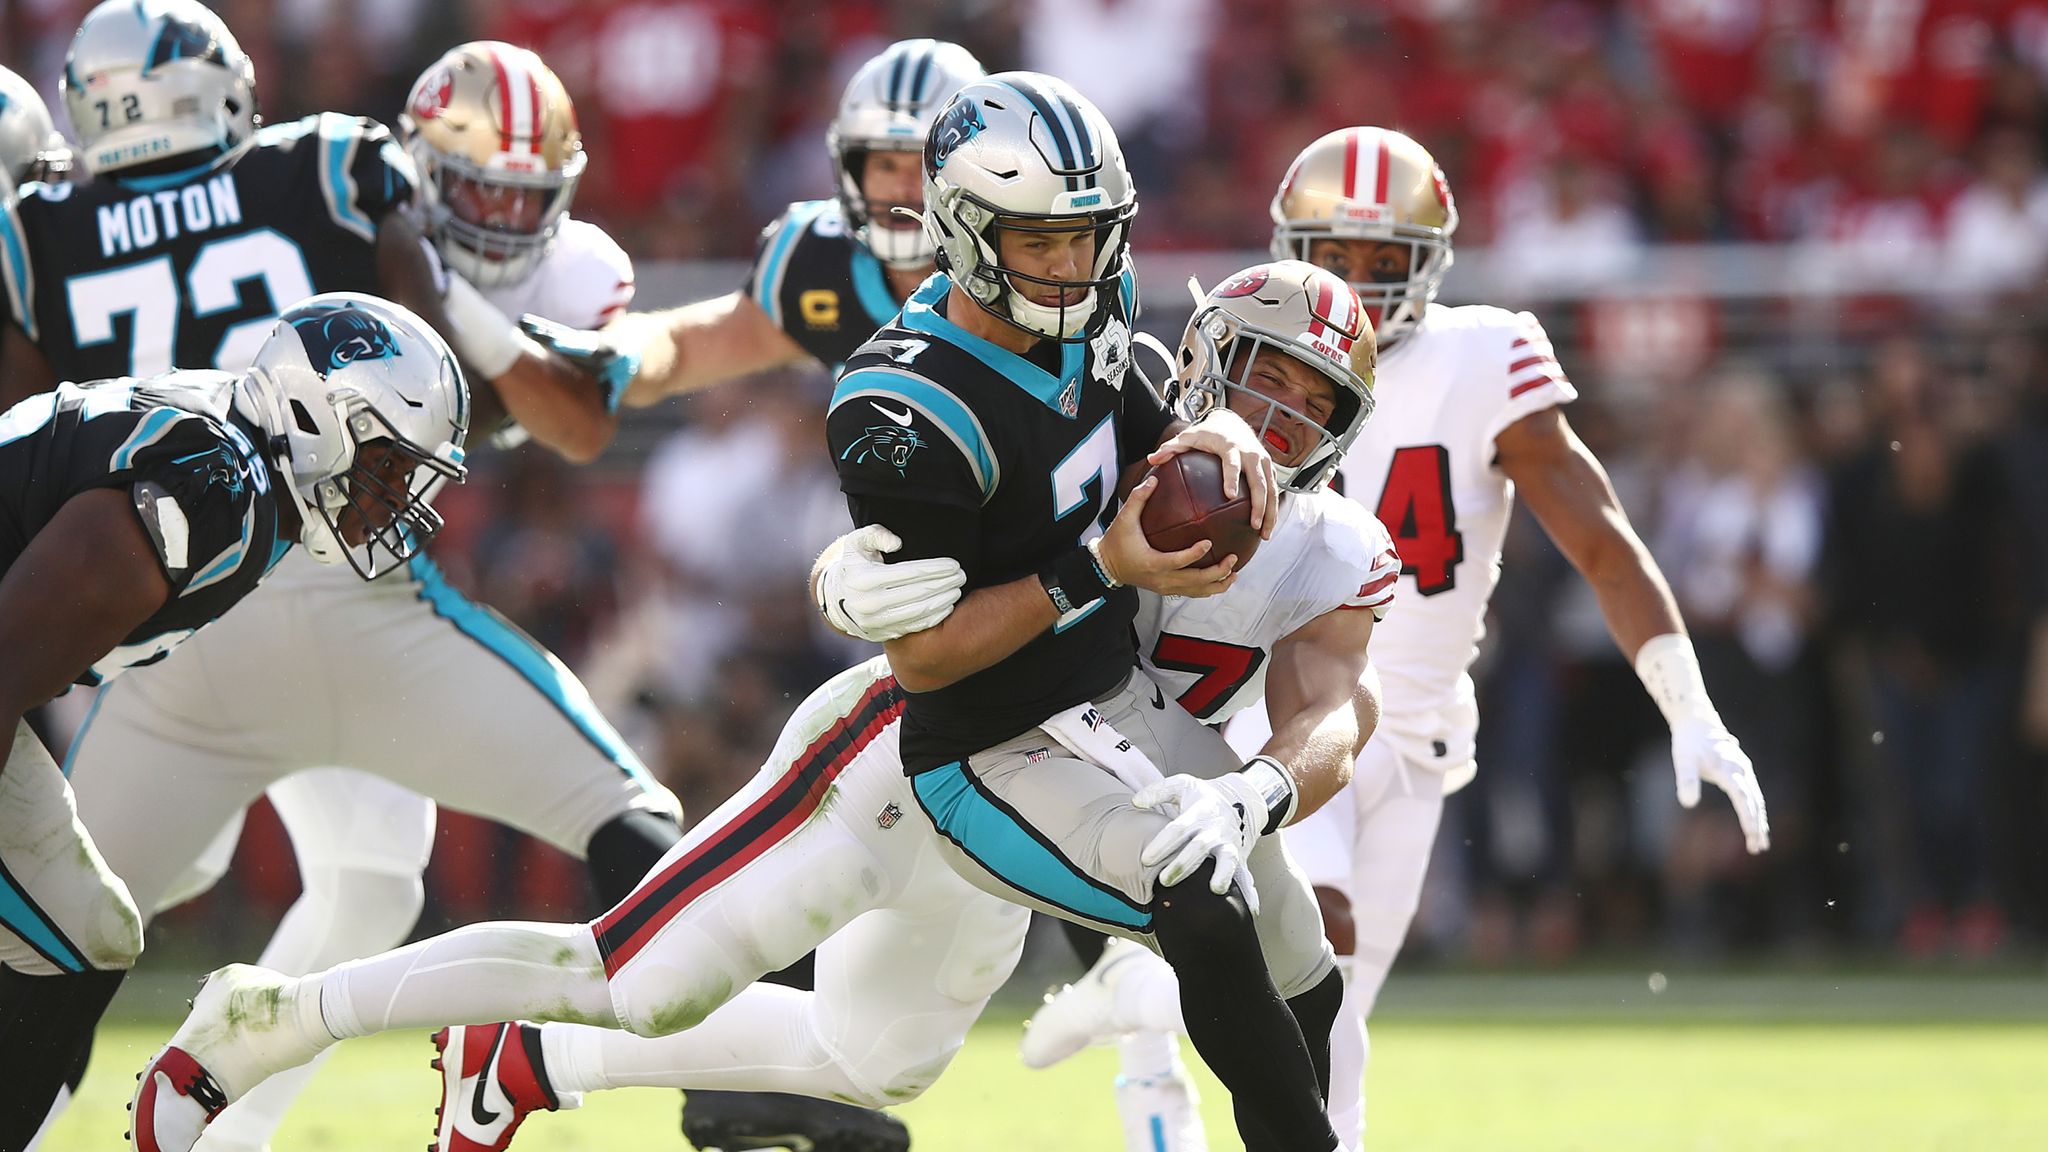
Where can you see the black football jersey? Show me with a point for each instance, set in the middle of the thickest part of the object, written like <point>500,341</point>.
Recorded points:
<point>819,284</point>
<point>200,487</point>
<point>930,414</point>
<point>132,277</point>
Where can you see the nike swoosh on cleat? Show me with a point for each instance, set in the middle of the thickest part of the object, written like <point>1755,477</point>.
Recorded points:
<point>901,419</point>
<point>477,1111</point>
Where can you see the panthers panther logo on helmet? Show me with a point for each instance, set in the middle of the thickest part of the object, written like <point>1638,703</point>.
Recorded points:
<point>961,123</point>
<point>336,335</point>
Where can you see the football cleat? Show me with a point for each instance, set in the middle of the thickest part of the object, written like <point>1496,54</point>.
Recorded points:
<point>491,1079</point>
<point>1079,1015</point>
<point>746,1121</point>
<point>241,1029</point>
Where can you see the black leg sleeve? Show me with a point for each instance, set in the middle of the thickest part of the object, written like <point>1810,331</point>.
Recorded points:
<point>48,1023</point>
<point>1237,1020</point>
<point>623,852</point>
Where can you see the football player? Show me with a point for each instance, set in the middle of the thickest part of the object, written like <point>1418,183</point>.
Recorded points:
<point>823,848</point>
<point>193,229</point>
<point>1470,414</point>
<point>1033,326</point>
<point>31,148</point>
<point>136,512</point>
<point>829,272</point>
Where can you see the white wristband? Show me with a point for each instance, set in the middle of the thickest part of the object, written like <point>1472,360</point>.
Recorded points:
<point>485,338</point>
<point>1270,779</point>
<point>1670,670</point>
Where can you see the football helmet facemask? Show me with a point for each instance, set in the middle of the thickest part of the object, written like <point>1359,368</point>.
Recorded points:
<point>367,412</point>
<point>1024,152</point>
<point>494,135</point>
<point>148,82</point>
<point>1292,308</point>
<point>1378,185</point>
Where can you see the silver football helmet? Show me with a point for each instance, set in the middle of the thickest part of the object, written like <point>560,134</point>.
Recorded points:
<point>1025,152</point>
<point>367,412</point>
<point>153,80</point>
<point>888,106</point>
<point>31,148</point>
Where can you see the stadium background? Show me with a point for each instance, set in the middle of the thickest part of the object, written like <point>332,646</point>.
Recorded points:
<point>1791,251</point>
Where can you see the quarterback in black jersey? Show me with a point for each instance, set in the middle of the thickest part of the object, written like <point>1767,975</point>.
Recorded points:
<point>827,273</point>
<point>990,424</point>
<point>135,512</point>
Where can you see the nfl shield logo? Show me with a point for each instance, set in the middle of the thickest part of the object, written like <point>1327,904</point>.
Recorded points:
<point>1036,754</point>
<point>889,816</point>
<point>1070,399</point>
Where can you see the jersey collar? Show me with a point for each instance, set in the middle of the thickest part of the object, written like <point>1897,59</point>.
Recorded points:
<point>920,314</point>
<point>872,286</point>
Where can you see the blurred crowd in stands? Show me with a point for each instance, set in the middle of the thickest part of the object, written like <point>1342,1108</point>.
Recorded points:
<point>1849,490</point>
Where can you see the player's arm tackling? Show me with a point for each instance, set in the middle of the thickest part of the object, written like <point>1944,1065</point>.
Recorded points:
<point>1321,707</point>
<point>708,342</point>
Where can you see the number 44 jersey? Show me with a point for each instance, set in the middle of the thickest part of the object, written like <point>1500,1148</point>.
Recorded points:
<point>132,277</point>
<point>1425,465</point>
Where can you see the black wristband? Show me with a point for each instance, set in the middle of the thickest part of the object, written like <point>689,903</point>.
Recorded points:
<point>1072,580</point>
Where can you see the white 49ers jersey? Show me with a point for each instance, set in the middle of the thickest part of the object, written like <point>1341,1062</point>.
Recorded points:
<point>1327,553</point>
<point>1425,465</point>
<point>585,280</point>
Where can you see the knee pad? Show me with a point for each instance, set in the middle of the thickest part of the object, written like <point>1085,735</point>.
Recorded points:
<point>626,849</point>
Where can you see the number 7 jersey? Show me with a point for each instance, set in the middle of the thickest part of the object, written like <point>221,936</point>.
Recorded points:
<point>1425,465</point>
<point>133,277</point>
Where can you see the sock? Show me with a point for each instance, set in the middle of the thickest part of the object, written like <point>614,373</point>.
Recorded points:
<point>482,974</point>
<point>1148,1055</point>
<point>1147,995</point>
<point>1348,1051</point>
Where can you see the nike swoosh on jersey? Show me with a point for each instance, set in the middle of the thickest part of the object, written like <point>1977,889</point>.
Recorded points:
<point>477,1111</point>
<point>900,418</point>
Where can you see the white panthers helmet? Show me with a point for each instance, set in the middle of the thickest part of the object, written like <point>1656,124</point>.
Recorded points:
<point>889,106</point>
<point>31,148</point>
<point>152,80</point>
<point>342,372</point>
<point>1024,151</point>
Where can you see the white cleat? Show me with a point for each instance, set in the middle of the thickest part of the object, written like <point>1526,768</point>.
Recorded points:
<point>1161,1114</point>
<point>240,1030</point>
<point>1081,1014</point>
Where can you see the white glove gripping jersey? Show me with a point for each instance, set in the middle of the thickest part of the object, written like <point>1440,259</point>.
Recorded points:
<point>1425,464</point>
<point>1328,553</point>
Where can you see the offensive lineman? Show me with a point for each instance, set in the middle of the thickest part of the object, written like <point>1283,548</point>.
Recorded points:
<point>193,229</point>
<point>136,512</point>
<point>1042,266</point>
<point>1470,414</point>
<point>31,148</point>
<point>818,839</point>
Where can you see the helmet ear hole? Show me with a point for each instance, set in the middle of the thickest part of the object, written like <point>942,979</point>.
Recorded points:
<point>304,418</point>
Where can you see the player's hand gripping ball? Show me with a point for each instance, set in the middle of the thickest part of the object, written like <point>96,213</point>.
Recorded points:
<point>1189,505</point>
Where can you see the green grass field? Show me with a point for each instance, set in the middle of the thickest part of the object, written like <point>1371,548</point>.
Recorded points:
<point>1869,1064</point>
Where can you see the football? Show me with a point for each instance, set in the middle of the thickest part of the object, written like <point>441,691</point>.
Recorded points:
<point>1189,505</point>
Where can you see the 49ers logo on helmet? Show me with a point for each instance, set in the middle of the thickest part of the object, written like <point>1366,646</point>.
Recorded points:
<point>1443,188</point>
<point>1243,284</point>
<point>435,90</point>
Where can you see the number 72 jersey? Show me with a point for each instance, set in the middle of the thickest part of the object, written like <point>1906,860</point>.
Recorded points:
<point>1425,465</point>
<point>116,277</point>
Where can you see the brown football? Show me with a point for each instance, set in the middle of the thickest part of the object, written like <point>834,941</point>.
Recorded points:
<point>1189,505</point>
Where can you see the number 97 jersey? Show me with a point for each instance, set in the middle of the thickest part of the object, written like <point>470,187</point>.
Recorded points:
<point>1425,465</point>
<point>133,277</point>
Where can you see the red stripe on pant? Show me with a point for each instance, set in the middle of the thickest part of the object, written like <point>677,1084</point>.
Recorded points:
<point>730,848</point>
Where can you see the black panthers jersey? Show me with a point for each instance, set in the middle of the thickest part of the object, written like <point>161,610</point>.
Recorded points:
<point>132,277</point>
<point>819,284</point>
<point>931,425</point>
<point>200,487</point>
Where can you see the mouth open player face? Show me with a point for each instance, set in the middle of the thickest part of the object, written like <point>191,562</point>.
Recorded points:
<point>892,180</point>
<point>1270,384</point>
<point>1059,255</point>
<point>379,466</point>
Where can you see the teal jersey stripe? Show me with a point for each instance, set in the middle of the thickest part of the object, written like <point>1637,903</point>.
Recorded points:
<point>872,286</point>
<point>942,407</point>
<point>1011,852</point>
<point>337,149</point>
<point>768,277</point>
<point>24,919</point>
<point>14,265</point>
<point>536,664</point>
<point>920,315</point>
<point>148,432</point>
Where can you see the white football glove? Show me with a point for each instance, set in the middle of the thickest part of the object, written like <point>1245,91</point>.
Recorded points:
<point>1216,820</point>
<point>1704,750</point>
<point>869,599</point>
